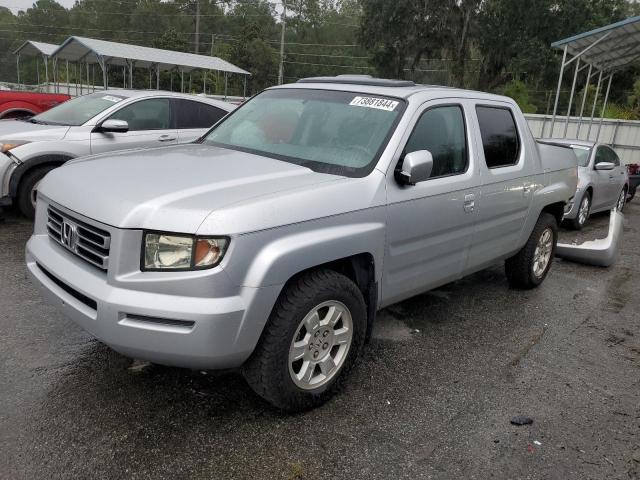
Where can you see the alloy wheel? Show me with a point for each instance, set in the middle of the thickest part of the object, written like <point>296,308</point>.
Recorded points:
<point>34,194</point>
<point>320,345</point>
<point>621,200</point>
<point>583,212</point>
<point>542,254</point>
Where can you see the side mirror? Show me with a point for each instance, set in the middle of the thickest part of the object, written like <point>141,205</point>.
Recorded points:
<point>416,167</point>
<point>605,166</point>
<point>114,126</point>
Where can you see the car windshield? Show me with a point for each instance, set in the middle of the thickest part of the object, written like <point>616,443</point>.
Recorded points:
<point>328,131</point>
<point>583,155</point>
<point>79,110</point>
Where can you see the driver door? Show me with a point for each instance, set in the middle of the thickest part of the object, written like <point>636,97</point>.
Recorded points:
<point>603,194</point>
<point>150,125</point>
<point>430,224</point>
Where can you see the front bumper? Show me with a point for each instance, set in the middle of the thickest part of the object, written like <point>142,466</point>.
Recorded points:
<point>574,206</point>
<point>148,315</point>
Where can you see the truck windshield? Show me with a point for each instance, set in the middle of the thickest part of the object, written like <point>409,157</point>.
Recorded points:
<point>341,133</point>
<point>79,110</point>
<point>583,155</point>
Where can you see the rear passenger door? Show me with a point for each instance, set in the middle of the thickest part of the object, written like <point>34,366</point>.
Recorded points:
<point>506,184</point>
<point>149,123</point>
<point>194,118</point>
<point>430,224</point>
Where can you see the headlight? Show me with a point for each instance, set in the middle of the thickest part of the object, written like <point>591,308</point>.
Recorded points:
<point>8,145</point>
<point>164,251</point>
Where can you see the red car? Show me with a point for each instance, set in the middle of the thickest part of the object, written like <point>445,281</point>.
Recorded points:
<point>634,179</point>
<point>16,104</point>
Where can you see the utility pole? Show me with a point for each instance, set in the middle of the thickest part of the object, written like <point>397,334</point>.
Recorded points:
<point>197,39</point>
<point>284,21</point>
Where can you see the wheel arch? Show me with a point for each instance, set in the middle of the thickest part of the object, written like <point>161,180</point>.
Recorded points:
<point>53,160</point>
<point>556,209</point>
<point>361,270</point>
<point>16,112</point>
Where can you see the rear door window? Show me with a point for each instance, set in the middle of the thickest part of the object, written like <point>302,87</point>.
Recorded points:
<point>500,140</point>
<point>190,114</point>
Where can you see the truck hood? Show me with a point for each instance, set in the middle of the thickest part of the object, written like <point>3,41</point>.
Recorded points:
<point>19,130</point>
<point>177,188</point>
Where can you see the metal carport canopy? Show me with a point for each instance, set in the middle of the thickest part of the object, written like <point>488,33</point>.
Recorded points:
<point>603,51</point>
<point>35,49</point>
<point>608,48</point>
<point>91,50</point>
<point>32,49</point>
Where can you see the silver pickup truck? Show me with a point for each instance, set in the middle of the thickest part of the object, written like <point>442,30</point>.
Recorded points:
<point>271,243</point>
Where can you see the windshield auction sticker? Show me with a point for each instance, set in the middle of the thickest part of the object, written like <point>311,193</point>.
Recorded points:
<point>373,102</point>
<point>111,98</point>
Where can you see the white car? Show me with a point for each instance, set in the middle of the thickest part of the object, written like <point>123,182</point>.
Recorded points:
<point>96,123</point>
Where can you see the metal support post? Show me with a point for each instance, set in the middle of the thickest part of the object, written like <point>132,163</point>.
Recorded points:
<point>45,59</point>
<point>555,105</point>
<point>595,101</point>
<point>604,106</point>
<point>584,99</point>
<point>573,89</point>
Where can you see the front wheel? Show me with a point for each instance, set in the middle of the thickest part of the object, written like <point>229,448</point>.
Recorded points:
<point>310,343</point>
<point>529,267</point>
<point>584,210</point>
<point>622,199</point>
<point>28,190</point>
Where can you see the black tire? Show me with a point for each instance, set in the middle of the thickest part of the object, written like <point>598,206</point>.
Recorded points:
<point>631,194</point>
<point>30,179</point>
<point>267,370</point>
<point>575,222</point>
<point>520,268</point>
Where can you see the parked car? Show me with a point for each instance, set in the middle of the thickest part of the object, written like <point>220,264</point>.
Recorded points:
<point>96,123</point>
<point>633,170</point>
<point>271,244</point>
<point>603,182</point>
<point>17,104</point>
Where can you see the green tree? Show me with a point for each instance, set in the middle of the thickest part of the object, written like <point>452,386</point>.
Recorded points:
<point>520,93</point>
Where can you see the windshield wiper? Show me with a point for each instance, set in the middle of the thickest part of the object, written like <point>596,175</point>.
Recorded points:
<point>37,122</point>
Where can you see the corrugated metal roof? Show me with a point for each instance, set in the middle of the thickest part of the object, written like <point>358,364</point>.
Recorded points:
<point>89,49</point>
<point>31,48</point>
<point>609,48</point>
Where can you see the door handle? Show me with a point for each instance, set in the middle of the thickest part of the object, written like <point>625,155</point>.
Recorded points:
<point>469,202</point>
<point>166,138</point>
<point>526,189</point>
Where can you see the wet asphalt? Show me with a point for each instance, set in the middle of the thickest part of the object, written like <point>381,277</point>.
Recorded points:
<point>432,396</point>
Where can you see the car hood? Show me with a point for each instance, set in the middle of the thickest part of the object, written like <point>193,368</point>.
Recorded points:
<point>178,188</point>
<point>19,130</point>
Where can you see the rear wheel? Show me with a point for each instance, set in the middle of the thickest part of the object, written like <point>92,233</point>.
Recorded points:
<point>529,267</point>
<point>28,190</point>
<point>311,342</point>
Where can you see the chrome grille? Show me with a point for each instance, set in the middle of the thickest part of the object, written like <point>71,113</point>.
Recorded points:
<point>86,241</point>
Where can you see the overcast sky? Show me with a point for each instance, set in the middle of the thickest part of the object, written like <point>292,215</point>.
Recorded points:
<point>15,5</point>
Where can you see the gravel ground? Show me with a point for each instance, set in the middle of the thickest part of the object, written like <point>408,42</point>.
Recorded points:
<point>432,396</point>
